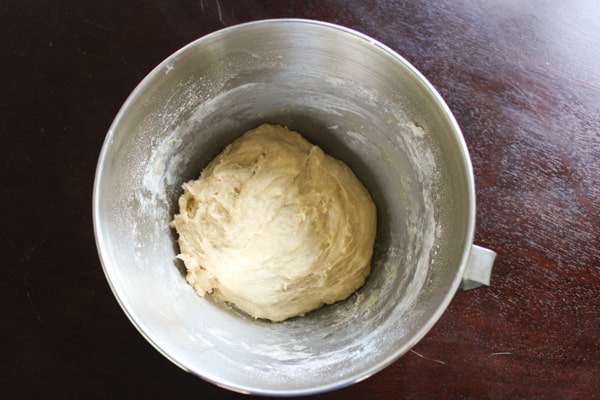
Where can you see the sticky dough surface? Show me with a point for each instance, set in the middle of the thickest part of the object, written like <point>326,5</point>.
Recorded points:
<point>275,226</point>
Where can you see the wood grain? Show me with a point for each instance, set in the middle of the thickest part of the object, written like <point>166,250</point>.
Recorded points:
<point>523,80</point>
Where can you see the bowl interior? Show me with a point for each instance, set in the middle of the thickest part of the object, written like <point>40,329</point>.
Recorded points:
<point>362,104</point>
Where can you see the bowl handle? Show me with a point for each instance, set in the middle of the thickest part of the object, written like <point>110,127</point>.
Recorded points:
<point>479,268</point>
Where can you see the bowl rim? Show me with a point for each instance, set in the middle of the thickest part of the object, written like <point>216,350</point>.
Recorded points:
<point>101,243</point>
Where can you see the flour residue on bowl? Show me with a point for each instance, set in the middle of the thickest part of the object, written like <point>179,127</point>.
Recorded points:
<point>354,128</point>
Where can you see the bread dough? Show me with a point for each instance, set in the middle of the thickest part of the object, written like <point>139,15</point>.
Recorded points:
<point>275,226</point>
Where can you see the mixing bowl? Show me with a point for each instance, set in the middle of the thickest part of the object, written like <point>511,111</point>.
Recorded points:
<point>360,102</point>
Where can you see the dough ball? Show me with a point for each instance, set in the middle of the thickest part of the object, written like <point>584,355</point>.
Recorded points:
<point>275,226</point>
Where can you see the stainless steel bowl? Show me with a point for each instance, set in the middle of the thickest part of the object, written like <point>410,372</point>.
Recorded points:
<point>362,103</point>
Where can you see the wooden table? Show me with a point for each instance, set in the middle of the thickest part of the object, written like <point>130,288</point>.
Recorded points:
<point>523,80</point>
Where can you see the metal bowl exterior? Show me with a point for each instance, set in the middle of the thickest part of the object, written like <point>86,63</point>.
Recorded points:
<point>361,102</point>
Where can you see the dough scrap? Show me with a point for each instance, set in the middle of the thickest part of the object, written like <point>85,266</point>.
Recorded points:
<point>275,226</point>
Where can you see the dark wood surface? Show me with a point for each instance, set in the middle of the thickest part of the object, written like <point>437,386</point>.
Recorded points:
<point>523,79</point>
